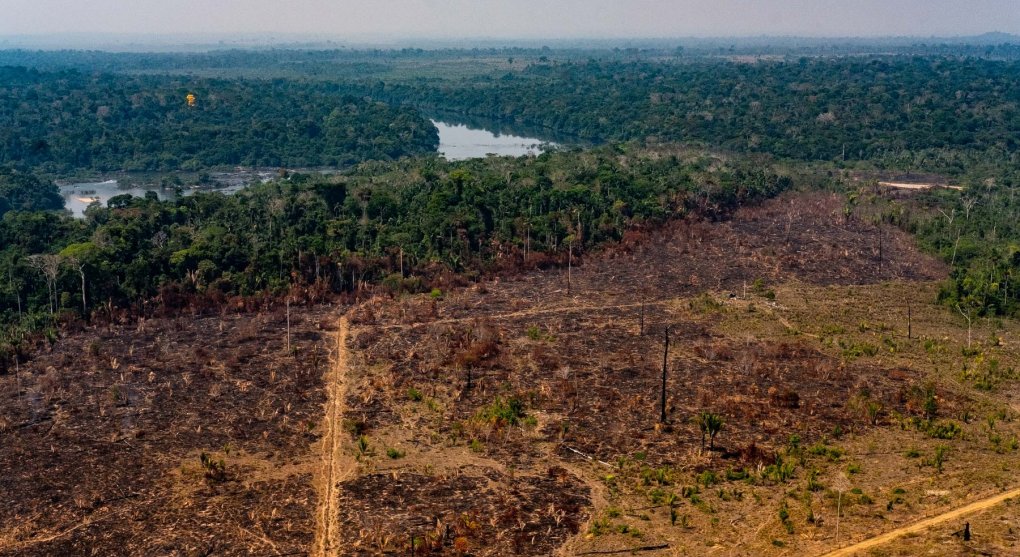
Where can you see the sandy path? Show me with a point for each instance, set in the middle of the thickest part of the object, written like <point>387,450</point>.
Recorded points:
<point>916,186</point>
<point>924,524</point>
<point>334,467</point>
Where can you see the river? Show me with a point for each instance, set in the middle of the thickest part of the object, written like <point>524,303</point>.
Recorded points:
<point>460,142</point>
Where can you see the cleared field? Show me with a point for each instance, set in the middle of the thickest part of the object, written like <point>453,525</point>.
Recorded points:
<point>522,416</point>
<point>103,437</point>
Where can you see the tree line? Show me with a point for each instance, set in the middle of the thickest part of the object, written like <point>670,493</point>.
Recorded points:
<point>402,225</point>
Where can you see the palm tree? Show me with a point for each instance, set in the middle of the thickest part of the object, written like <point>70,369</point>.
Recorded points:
<point>710,424</point>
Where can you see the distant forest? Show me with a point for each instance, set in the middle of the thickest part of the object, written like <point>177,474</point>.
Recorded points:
<point>938,113</point>
<point>930,113</point>
<point>61,122</point>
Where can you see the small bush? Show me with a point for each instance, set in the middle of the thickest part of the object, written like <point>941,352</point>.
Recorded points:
<point>736,475</point>
<point>813,483</point>
<point>708,478</point>
<point>939,460</point>
<point>600,526</point>
<point>854,350</point>
<point>779,472</point>
<point>944,430</point>
<point>784,517</point>
<point>215,470</point>
<point>502,412</point>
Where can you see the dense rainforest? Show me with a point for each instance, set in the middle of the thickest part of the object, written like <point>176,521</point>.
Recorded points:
<point>66,121</point>
<point>927,113</point>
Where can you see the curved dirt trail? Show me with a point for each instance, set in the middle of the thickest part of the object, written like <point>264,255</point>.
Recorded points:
<point>334,468</point>
<point>924,524</point>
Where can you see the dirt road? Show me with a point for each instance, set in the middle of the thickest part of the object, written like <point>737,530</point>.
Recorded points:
<point>335,468</point>
<point>924,524</point>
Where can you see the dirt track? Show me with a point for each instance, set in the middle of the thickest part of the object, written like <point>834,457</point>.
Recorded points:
<point>333,468</point>
<point>924,524</point>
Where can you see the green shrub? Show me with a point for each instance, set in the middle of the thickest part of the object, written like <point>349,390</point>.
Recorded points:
<point>502,412</point>
<point>944,430</point>
<point>708,478</point>
<point>215,470</point>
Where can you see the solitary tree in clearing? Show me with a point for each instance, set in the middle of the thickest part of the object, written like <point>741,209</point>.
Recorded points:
<point>710,424</point>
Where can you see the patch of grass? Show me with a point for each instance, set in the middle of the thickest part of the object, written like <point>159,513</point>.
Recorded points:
<point>600,527</point>
<point>779,472</point>
<point>534,332</point>
<point>708,478</point>
<point>362,444</point>
<point>734,475</point>
<point>813,483</point>
<point>933,346</point>
<point>784,518</point>
<point>394,453</point>
<point>856,349</point>
<point>947,429</point>
<point>939,459</point>
<point>831,453</point>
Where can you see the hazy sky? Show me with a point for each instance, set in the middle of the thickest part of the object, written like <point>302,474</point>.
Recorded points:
<point>514,18</point>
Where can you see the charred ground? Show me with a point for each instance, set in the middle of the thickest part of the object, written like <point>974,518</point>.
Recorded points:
<point>521,416</point>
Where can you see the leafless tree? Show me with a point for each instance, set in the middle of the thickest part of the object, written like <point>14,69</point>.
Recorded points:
<point>966,315</point>
<point>665,368</point>
<point>968,204</point>
<point>49,266</point>
<point>78,265</point>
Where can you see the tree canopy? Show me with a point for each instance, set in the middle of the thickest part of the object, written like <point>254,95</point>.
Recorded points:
<point>62,122</point>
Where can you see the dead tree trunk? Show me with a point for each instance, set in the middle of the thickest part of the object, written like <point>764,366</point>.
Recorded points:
<point>880,246</point>
<point>81,272</point>
<point>665,368</point>
<point>570,263</point>
<point>288,324</point>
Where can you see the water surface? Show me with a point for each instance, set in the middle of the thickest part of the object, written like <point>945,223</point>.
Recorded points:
<point>459,142</point>
<point>78,196</point>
